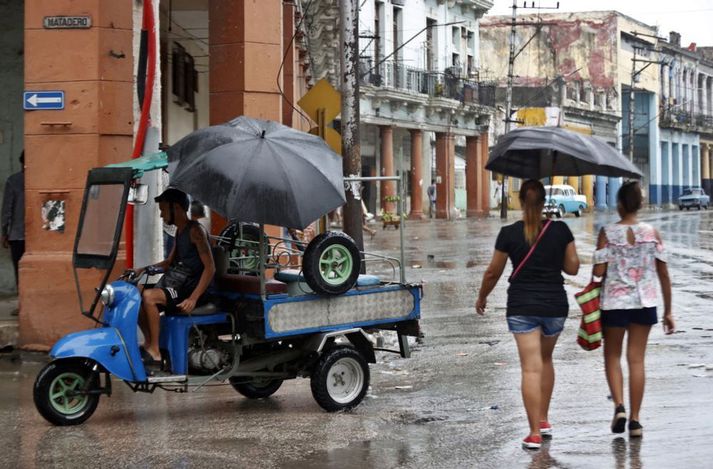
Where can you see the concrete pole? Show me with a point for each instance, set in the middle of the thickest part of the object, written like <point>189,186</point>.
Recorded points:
<point>508,106</point>
<point>148,226</point>
<point>388,188</point>
<point>631,108</point>
<point>351,149</point>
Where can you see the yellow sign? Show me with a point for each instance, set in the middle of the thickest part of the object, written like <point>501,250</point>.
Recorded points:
<point>322,96</point>
<point>331,136</point>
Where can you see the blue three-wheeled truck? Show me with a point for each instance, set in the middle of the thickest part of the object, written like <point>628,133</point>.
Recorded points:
<point>314,319</point>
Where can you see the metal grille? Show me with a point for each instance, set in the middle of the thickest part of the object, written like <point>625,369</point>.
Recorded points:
<point>301,315</point>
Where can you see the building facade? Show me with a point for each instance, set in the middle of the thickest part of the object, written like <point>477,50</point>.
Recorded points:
<point>217,59</point>
<point>424,103</point>
<point>581,63</point>
<point>686,118</point>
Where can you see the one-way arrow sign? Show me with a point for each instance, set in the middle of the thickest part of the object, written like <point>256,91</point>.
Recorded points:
<point>45,100</point>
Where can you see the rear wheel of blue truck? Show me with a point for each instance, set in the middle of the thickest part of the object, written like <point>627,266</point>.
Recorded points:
<point>63,392</point>
<point>340,379</point>
<point>258,388</point>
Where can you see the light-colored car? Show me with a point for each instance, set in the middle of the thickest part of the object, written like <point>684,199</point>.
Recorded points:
<point>561,199</point>
<point>693,197</point>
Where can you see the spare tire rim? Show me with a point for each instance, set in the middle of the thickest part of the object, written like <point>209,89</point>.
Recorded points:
<point>248,253</point>
<point>335,264</point>
<point>62,393</point>
<point>345,380</point>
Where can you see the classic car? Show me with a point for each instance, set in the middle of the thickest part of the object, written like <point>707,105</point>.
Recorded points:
<point>561,199</point>
<point>693,197</point>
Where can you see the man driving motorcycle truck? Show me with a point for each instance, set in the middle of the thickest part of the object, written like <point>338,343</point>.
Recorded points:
<point>189,270</point>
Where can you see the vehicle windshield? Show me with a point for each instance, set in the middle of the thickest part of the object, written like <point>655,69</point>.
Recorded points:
<point>555,191</point>
<point>104,204</point>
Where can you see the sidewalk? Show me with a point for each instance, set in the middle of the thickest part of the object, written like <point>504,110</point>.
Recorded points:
<point>8,322</point>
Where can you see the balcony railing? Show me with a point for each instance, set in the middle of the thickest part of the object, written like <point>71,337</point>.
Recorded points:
<point>446,84</point>
<point>685,119</point>
<point>704,121</point>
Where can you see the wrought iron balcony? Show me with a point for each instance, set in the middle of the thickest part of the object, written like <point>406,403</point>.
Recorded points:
<point>675,118</point>
<point>447,84</point>
<point>704,122</point>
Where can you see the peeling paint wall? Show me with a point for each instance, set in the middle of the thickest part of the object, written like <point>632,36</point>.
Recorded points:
<point>583,49</point>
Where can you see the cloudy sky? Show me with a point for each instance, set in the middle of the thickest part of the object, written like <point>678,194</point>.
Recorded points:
<point>692,18</point>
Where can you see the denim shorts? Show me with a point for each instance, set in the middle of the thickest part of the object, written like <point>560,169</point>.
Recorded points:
<point>624,317</point>
<point>522,324</point>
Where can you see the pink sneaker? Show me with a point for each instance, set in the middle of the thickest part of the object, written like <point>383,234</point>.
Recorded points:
<point>532,442</point>
<point>545,429</point>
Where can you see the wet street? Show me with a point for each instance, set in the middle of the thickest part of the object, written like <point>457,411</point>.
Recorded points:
<point>455,404</point>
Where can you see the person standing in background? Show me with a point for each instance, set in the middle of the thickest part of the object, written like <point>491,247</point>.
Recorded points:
<point>201,214</point>
<point>431,191</point>
<point>13,216</point>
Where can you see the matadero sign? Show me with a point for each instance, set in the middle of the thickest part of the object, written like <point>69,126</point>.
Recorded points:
<point>67,22</point>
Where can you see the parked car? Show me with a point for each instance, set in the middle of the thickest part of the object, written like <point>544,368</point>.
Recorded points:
<point>693,197</point>
<point>561,199</point>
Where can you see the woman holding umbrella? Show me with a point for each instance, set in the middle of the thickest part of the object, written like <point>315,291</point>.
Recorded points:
<point>537,303</point>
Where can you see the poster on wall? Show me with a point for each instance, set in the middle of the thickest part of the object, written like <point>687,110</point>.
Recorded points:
<point>53,215</point>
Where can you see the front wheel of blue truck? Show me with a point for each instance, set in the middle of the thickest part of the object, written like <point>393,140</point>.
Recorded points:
<point>340,379</point>
<point>64,392</point>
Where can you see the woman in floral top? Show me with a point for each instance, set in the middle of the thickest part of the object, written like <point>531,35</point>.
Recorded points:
<point>631,258</point>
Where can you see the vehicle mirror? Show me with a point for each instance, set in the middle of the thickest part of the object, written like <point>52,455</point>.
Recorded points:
<point>138,194</point>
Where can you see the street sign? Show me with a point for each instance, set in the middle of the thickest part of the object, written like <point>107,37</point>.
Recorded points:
<point>43,100</point>
<point>322,96</point>
<point>67,22</point>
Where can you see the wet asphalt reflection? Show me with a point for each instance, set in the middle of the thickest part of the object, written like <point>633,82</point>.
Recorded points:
<point>455,403</point>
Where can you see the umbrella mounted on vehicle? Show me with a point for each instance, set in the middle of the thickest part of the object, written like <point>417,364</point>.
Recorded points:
<point>259,171</point>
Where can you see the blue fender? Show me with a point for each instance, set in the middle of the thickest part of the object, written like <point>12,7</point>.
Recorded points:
<point>105,346</point>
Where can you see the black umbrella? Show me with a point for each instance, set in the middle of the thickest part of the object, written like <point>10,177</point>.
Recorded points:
<point>259,171</point>
<point>539,152</point>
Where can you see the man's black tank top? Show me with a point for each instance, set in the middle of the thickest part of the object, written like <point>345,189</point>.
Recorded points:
<point>187,257</point>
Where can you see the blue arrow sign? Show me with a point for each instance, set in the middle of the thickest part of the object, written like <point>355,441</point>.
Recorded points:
<point>44,100</point>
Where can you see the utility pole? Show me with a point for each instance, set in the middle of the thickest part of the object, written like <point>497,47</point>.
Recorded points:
<point>631,107</point>
<point>351,151</point>
<point>508,91</point>
<point>508,108</point>
<point>634,74</point>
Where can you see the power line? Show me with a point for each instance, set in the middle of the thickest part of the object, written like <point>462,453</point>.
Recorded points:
<point>284,57</point>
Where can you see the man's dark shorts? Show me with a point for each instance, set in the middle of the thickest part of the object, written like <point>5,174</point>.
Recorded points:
<point>624,317</point>
<point>173,299</point>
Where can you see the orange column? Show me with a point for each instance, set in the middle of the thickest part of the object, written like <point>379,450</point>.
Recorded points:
<point>245,46</point>
<point>94,129</point>
<point>485,174</point>
<point>445,169</point>
<point>388,188</point>
<point>416,175</point>
<point>288,72</point>
<point>472,174</point>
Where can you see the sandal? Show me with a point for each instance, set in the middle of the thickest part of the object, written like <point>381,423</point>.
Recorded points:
<point>618,424</point>
<point>144,354</point>
<point>149,361</point>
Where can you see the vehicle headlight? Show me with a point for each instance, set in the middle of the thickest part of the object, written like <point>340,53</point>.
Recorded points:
<point>107,295</point>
